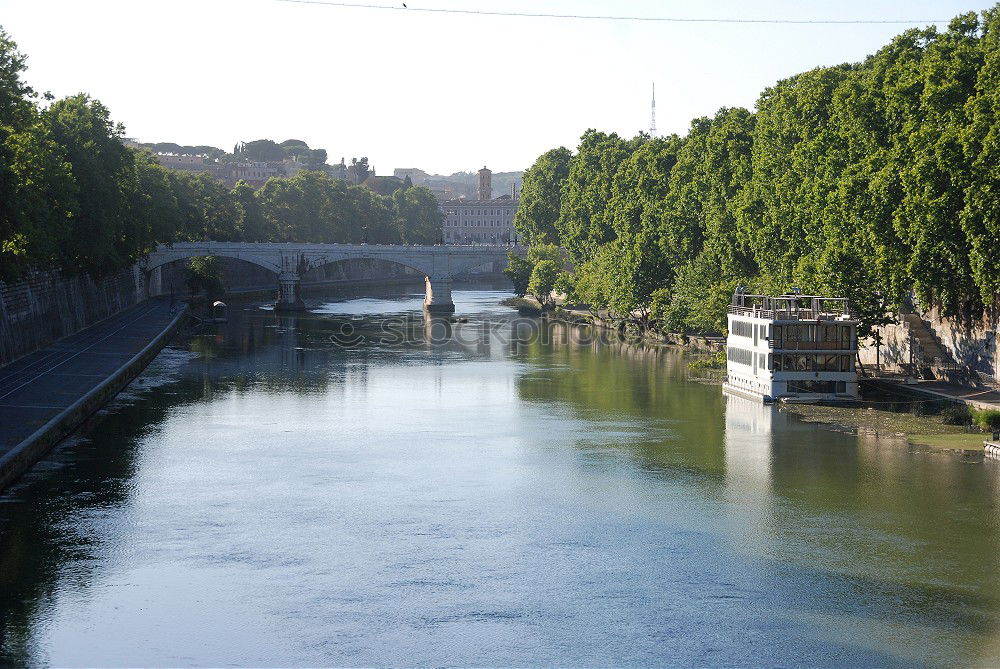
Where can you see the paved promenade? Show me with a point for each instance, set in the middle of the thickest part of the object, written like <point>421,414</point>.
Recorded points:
<point>38,387</point>
<point>981,398</point>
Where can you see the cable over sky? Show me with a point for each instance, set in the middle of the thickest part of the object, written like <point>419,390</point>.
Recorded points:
<point>606,17</point>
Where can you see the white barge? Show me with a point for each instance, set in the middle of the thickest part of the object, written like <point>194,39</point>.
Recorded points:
<point>794,348</point>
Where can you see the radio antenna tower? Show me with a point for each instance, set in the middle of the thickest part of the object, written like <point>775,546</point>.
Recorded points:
<point>652,117</point>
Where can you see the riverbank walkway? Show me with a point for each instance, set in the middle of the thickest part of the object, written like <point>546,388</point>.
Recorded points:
<point>77,374</point>
<point>980,398</point>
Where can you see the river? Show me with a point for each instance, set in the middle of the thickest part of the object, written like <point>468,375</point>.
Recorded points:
<point>329,490</point>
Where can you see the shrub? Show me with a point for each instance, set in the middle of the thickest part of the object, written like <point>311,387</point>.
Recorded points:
<point>987,419</point>
<point>956,414</point>
<point>715,361</point>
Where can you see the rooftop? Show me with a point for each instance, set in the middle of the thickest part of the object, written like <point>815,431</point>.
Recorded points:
<point>791,306</point>
<point>503,199</point>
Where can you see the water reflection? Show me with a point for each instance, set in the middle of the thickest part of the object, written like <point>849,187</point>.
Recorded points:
<point>497,491</point>
<point>750,426</point>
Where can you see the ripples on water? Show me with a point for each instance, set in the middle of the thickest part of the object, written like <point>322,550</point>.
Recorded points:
<point>266,497</point>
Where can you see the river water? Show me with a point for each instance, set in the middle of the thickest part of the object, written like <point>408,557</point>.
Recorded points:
<point>326,490</point>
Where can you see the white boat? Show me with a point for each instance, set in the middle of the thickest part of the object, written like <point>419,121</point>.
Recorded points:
<point>792,348</point>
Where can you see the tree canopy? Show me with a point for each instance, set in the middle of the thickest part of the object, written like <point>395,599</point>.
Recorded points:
<point>867,180</point>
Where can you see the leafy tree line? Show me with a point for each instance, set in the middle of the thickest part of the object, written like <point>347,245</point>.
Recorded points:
<point>263,150</point>
<point>73,197</point>
<point>865,180</point>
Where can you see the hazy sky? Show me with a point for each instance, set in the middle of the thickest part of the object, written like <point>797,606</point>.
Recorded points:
<point>436,91</point>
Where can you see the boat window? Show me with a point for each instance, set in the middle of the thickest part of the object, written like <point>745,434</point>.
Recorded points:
<point>828,363</point>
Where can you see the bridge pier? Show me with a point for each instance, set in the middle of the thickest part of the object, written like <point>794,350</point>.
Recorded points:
<point>437,297</point>
<point>288,293</point>
<point>154,286</point>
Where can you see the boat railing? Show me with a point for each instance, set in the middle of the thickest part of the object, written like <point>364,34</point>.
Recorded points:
<point>787,345</point>
<point>787,314</point>
<point>751,311</point>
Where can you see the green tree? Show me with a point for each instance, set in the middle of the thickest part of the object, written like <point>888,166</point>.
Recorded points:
<point>418,215</point>
<point>543,280</point>
<point>16,107</point>
<point>980,216</point>
<point>37,199</point>
<point>264,150</point>
<point>539,205</point>
<point>204,275</point>
<point>591,282</point>
<point>311,206</point>
<point>373,217</point>
<point>253,226</point>
<point>206,207</point>
<point>518,270</point>
<point>582,224</point>
<point>315,159</point>
<point>358,171</point>
<point>152,201</point>
<point>101,238</point>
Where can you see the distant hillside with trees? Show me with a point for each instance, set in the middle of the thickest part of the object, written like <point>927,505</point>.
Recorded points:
<point>864,180</point>
<point>259,150</point>
<point>73,197</point>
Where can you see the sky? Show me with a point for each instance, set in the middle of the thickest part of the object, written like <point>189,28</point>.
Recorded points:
<point>442,92</point>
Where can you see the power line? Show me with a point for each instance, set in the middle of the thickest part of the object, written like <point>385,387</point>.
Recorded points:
<point>603,17</point>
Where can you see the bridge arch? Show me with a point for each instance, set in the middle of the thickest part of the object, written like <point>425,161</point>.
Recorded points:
<point>463,266</point>
<point>438,264</point>
<point>170,255</point>
<point>317,262</point>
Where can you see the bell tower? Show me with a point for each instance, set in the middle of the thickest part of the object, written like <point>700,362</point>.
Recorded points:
<point>485,184</point>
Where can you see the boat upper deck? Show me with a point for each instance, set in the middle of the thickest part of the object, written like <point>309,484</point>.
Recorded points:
<point>791,307</point>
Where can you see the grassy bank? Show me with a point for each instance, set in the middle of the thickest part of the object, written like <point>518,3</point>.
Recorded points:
<point>921,424</point>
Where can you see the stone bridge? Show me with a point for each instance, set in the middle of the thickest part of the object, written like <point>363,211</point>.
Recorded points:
<point>438,264</point>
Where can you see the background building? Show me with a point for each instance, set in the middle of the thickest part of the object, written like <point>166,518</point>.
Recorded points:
<point>486,220</point>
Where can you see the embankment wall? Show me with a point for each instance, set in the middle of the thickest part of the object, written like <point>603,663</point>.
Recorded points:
<point>46,306</point>
<point>972,345</point>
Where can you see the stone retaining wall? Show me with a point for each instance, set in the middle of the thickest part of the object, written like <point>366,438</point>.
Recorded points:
<point>971,345</point>
<point>46,306</point>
